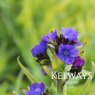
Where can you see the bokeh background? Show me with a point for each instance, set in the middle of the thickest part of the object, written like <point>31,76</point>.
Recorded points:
<point>24,22</point>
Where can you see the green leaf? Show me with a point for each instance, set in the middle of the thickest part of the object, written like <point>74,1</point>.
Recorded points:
<point>57,65</point>
<point>88,82</point>
<point>23,90</point>
<point>48,73</point>
<point>26,72</point>
<point>52,92</point>
<point>45,62</point>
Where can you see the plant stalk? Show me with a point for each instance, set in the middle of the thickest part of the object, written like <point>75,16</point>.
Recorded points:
<point>59,87</point>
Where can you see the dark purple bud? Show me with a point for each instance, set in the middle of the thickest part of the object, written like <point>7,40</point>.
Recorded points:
<point>78,63</point>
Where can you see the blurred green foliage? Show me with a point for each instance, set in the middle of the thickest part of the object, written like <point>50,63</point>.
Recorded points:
<point>24,22</point>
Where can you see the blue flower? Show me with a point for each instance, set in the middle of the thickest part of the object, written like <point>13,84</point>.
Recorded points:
<point>36,89</point>
<point>78,63</point>
<point>70,34</point>
<point>67,53</point>
<point>39,49</point>
<point>52,36</point>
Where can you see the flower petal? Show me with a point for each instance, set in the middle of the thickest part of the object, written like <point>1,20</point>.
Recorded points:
<point>42,87</point>
<point>34,86</point>
<point>39,49</point>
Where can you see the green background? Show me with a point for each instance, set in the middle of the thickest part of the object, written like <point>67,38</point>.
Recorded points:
<point>24,22</point>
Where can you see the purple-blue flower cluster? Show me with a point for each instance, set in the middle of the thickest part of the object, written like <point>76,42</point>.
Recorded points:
<point>65,47</point>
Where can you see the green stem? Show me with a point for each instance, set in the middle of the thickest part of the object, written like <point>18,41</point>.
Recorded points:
<point>59,87</point>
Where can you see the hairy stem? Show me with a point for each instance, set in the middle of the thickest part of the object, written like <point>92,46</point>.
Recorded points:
<point>59,87</point>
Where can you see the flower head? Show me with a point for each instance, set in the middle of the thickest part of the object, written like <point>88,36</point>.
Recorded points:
<point>52,36</point>
<point>67,53</point>
<point>39,49</point>
<point>78,63</point>
<point>70,34</point>
<point>36,89</point>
